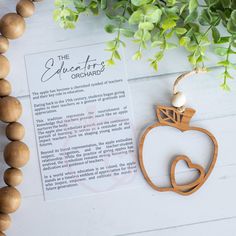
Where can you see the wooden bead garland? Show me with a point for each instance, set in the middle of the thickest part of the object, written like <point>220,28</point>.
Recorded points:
<point>10,109</point>
<point>16,153</point>
<point>4,44</point>
<point>4,67</point>
<point>5,88</point>
<point>10,199</point>
<point>25,8</point>
<point>15,131</point>
<point>5,221</point>
<point>12,26</point>
<point>13,177</point>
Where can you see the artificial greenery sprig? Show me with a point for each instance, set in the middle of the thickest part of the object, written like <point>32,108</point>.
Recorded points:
<point>163,25</point>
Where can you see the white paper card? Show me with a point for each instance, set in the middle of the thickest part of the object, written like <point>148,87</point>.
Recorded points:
<point>83,121</point>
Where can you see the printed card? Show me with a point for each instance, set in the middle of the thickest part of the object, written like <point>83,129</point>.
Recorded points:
<point>83,121</point>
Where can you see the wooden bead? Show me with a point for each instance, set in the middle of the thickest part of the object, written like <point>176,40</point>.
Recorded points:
<point>12,25</point>
<point>13,177</point>
<point>15,131</point>
<point>4,67</point>
<point>178,99</point>
<point>5,88</point>
<point>25,8</point>
<point>10,199</point>
<point>16,154</point>
<point>4,44</point>
<point>5,221</point>
<point>10,109</point>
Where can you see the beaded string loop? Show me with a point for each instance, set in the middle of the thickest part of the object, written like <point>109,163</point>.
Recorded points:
<point>178,98</point>
<point>16,153</point>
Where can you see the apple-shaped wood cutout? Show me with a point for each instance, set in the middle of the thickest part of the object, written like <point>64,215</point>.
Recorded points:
<point>171,116</point>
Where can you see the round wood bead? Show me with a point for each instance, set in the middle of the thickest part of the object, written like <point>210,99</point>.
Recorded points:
<point>4,67</point>
<point>12,25</point>
<point>16,154</point>
<point>5,88</point>
<point>13,177</point>
<point>25,8</point>
<point>10,199</point>
<point>5,221</point>
<point>178,99</point>
<point>4,44</point>
<point>10,109</point>
<point>15,131</point>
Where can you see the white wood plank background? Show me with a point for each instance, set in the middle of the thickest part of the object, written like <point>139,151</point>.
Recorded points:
<point>139,211</point>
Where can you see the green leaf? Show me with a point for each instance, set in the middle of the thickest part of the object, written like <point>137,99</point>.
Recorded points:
<point>136,17</point>
<point>159,56</point>
<point>154,65</point>
<point>193,4</point>
<point>192,59</point>
<point>233,16</point>
<point>137,56</point>
<point>156,44</point>
<point>223,40</point>
<point>56,14</point>
<point>146,35</point>
<point>225,3</point>
<point>110,28</point>
<point>110,62</point>
<point>223,63</point>
<point>170,2</point>
<point>221,51</point>
<point>152,13</point>
<point>127,33</point>
<point>215,34</point>
<point>182,8</point>
<point>168,24</point>
<point>116,55</point>
<point>225,87</point>
<point>146,25</point>
<point>180,31</point>
<point>171,45</point>
<point>205,18</point>
<point>183,41</point>
<point>103,4</point>
<point>139,2</point>
<point>231,27</point>
<point>191,18</point>
<point>227,75</point>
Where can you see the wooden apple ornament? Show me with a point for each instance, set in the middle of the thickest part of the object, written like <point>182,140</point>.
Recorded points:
<point>179,118</point>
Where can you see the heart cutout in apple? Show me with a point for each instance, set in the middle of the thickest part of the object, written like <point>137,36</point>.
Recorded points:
<point>188,186</point>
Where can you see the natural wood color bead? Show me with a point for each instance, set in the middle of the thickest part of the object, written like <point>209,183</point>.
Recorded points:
<point>12,25</point>
<point>10,199</point>
<point>13,177</point>
<point>16,154</point>
<point>25,8</point>
<point>10,109</point>
<point>4,67</point>
<point>4,44</point>
<point>15,131</point>
<point>5,88</point>
<point>5,221</point>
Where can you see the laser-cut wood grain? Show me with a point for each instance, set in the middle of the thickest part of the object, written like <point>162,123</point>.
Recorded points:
<point>170,116</point>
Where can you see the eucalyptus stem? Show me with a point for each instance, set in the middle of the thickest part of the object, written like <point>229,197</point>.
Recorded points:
<point>157,22</point>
